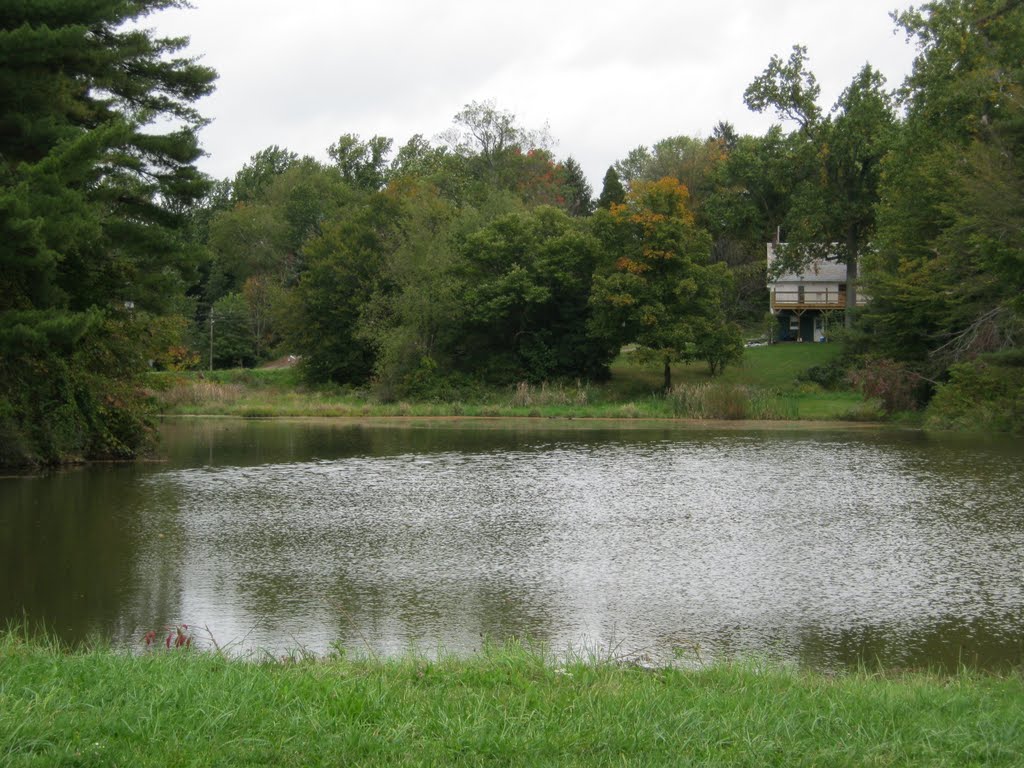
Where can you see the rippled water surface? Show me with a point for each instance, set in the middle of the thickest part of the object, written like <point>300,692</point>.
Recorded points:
<point>823,547</point>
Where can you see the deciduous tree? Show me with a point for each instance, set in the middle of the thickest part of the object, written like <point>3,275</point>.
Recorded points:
<point>657,289</point>
<point>832,210</point>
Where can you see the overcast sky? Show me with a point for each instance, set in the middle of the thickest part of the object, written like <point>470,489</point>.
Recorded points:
<point>605,77</point>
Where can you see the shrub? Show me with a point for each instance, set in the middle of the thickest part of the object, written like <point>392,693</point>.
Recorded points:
<point>979,396</point>
<point>829,376</point>
<point>891,382</point>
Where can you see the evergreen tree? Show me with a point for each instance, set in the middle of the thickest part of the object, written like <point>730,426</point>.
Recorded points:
<point>92,198</point>
<point>579,196</point>
<point>612,190</point>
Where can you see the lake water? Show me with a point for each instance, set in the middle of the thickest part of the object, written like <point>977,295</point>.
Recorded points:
<point>821,547</point>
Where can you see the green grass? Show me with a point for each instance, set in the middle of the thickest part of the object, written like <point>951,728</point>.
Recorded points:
<point>762,386</point>
<point>507,706</point>
<point>770,366</point>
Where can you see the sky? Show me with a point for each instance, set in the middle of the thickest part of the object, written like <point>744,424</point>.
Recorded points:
<point>604,77</point>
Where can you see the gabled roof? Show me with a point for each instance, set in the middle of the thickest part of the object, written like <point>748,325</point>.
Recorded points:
<point>818,271</point>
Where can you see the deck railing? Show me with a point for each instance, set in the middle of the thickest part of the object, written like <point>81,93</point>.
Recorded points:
<point>811,298</point>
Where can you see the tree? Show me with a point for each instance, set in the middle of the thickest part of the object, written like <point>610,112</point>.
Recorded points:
<point>98,140</point>
<point>257,174</point>
<point>657,289</point>
<point>264,234</point>
<point>233,340</point>
<point>493,145</point>
<point>691,161</point>
<point>612,191</point>
<point>946,279</point>
<point>362,164</point>
<point>345,271</point>
<point>411,321</point>
<point>832,211</point>
<point>725,134</point>
<point>263,299</point>
<point>524,289</point>
<point>579,196</point>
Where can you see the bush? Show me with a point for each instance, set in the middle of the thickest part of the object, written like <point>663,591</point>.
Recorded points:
<point>896,386</point>
<point>428,382</point>
<point>830,376</point>
<point>74,395</point>
<point>979,396</point>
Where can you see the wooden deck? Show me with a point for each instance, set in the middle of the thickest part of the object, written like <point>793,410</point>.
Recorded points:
<point>824,299</point>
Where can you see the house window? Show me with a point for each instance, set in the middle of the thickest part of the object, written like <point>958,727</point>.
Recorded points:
<point>800,294</point>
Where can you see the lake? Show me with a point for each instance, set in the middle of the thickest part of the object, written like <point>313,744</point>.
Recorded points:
<point>825,547</point>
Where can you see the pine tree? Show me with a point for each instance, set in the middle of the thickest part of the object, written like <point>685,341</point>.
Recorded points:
<point>612,190</point>
<point>92,196</point>
<point>579,196</point>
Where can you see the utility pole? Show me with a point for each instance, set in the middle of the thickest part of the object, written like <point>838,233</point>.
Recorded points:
<point>211,337</point>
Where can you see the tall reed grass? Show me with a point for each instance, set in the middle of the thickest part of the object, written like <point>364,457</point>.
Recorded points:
<point>194,392</point>
<point>528,395</point>
<point>722,400</point>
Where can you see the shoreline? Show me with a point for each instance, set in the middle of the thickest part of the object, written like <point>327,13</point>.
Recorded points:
<point>582,422</point>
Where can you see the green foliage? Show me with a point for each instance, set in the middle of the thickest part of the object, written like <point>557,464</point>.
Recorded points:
<point>718,343</point>
<point>233,343</point>
<point>752,187</point>
<point>251,182</point>
<point>691,161</point>
<point>498,154</point>
<point>946,279</point>
<point>70,388</point>
<point>94,193</point>
<point>524,288</point>
<point>831,375</point>
<point>838,162</point>
<point>578,194</point>
<point>612,191</point>
<point>656,288</point>
<point>979,396</point>
<point>345,270</point>
<point>363,165</point>
<point>410,322</point>
<point>262,234</point>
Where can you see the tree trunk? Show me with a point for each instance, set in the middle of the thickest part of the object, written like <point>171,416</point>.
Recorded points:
<point>853,254</point>
<point>668,375</point>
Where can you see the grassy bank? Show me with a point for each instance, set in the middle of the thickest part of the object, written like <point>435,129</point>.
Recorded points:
<point>763,386</point>
<point>506,706</point>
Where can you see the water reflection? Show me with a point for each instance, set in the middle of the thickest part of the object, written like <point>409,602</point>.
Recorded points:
<point>826,548</point>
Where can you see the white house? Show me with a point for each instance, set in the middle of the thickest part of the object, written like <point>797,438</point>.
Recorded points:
<point>802,302</point>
